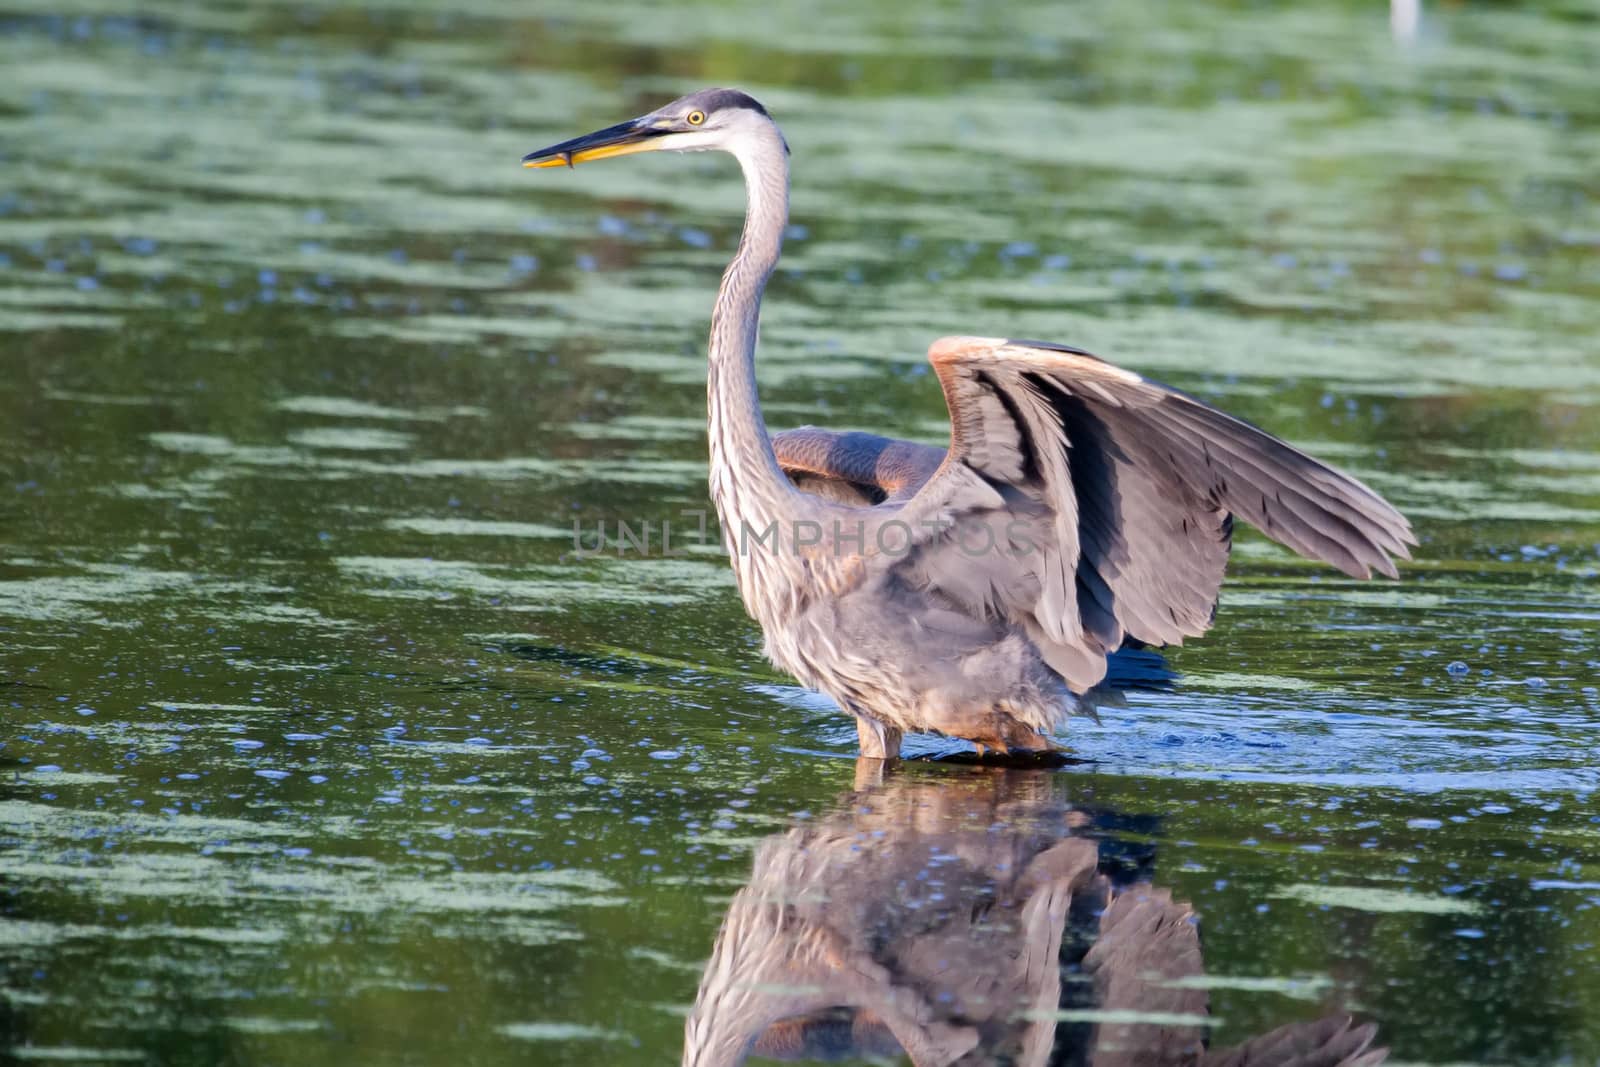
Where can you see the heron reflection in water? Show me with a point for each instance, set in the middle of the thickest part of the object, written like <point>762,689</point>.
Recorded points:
<point>976,591</point>
<point>972,921</point>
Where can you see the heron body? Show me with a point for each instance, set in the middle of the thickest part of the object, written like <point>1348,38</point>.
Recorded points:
<point>974,592</point>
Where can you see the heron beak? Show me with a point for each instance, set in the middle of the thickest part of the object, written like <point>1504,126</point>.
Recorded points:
<point>622,139</point>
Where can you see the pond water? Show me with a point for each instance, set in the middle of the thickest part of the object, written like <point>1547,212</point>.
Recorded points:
<point>319,744</point>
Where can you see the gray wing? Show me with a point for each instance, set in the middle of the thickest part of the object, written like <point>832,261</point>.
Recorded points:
<point>1130,488</point>
<point>855,468</point>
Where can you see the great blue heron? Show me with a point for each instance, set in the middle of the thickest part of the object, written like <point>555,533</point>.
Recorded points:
<point>973,592</point>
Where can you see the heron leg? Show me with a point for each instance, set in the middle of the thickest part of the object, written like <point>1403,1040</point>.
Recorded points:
<point>1012,740</point>
<point>878,740</point>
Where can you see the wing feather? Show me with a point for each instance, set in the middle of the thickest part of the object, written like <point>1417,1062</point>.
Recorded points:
<point>853,467</point>
<point>1134,485</point>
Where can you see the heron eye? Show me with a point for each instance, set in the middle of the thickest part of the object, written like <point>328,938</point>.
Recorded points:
<point>695,118</point>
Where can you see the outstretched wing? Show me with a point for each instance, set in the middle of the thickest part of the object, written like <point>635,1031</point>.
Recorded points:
<point>1134,485</point>
<point>852,467</point>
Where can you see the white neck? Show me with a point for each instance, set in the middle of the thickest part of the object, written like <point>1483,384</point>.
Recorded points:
<point>748,487</point>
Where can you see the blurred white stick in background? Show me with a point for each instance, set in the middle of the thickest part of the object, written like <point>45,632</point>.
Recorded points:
<point>1405,18</point>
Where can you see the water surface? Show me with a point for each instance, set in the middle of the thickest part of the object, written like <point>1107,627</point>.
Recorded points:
<point>320,744</point>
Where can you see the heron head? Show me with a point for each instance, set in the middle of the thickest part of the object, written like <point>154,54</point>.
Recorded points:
<point>702,121</point>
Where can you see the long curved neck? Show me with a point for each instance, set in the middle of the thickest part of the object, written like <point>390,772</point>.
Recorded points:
<point>747,485</point>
